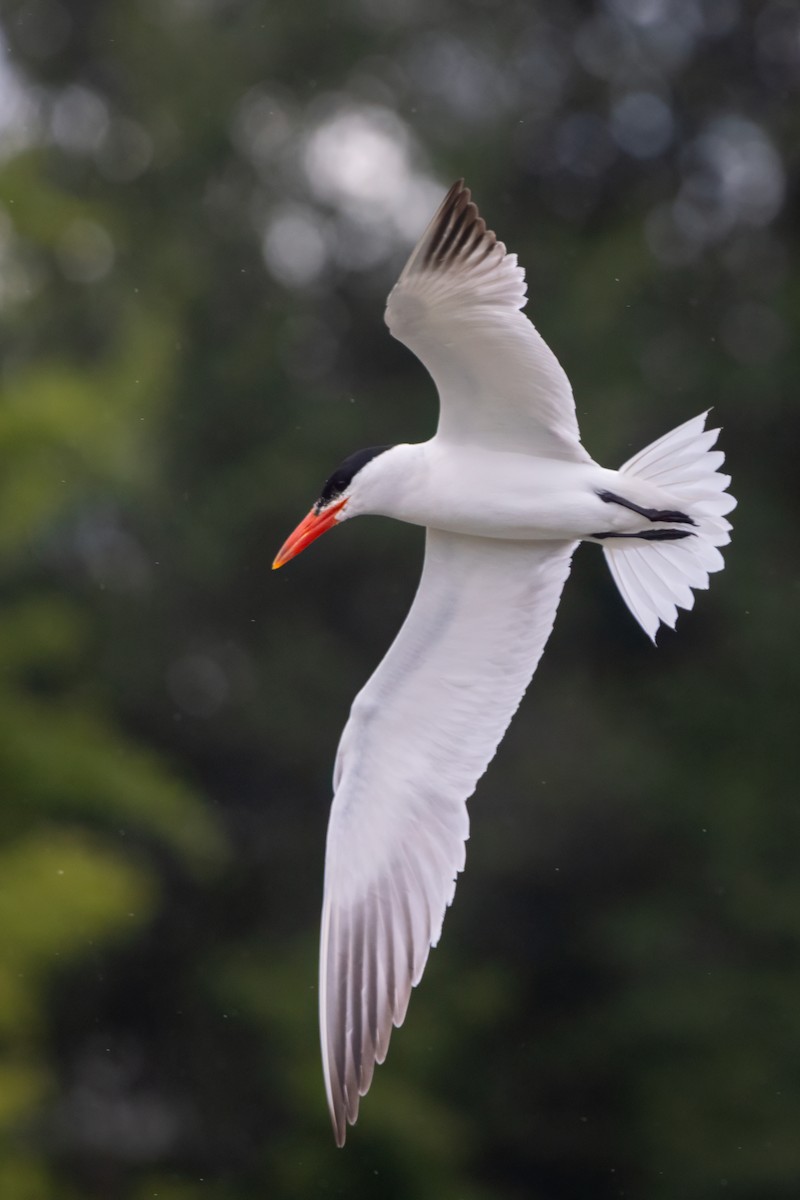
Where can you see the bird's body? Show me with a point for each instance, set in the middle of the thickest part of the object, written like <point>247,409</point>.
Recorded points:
<point>521,496</point>
<point>506,492</point>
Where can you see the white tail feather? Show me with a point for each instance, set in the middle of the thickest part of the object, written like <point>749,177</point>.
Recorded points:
<point>656,578</point>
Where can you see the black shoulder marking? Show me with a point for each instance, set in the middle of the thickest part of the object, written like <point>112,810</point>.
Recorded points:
<point>344,474</point>
<point>458,231</point>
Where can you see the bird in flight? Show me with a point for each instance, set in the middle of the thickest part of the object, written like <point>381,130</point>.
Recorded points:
<point>505,491</point>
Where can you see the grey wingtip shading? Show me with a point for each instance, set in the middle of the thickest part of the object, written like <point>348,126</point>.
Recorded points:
<point>369,999</point>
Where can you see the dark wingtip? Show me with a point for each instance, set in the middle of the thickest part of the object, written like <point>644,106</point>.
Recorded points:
<point>458,229</point>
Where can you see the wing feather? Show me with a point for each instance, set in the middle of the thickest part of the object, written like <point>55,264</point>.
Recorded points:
<point>457,306</point>
<point>421,733</point>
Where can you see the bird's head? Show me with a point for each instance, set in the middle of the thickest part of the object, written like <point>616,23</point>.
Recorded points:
<point>349,491</point>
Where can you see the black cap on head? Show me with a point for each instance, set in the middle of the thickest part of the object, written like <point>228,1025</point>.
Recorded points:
<point>344,474</point>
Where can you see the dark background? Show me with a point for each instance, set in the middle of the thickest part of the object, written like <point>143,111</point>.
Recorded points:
<point>202,206</point>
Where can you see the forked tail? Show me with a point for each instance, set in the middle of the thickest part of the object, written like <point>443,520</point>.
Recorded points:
<point>656,576</point>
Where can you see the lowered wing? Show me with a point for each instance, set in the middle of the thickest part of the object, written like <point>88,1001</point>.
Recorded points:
<point>420,735</point>
<point>457,306</point>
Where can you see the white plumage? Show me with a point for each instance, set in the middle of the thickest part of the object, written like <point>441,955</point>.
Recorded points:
<point>420,735</point>
<point>506,491</point>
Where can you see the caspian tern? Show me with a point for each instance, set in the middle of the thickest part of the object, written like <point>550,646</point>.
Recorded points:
<point>505,491</point>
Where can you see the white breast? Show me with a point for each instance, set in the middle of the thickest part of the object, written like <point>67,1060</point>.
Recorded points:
<point>491,493</point>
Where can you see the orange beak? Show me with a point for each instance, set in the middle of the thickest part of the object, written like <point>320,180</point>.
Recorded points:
<point>307,532</point>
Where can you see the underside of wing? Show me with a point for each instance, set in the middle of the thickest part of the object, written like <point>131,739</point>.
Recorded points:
<point>420,734</point>
<point>457,306</point>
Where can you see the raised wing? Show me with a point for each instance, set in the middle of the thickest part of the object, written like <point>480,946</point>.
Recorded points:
<point>457,306</point>
<point>420,735</point>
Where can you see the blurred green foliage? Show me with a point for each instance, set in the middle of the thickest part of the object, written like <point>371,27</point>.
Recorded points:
<point>202,206</point>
